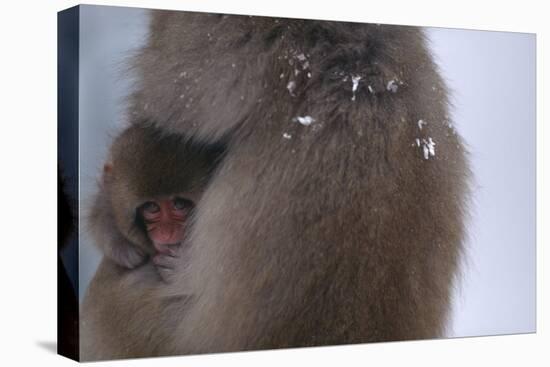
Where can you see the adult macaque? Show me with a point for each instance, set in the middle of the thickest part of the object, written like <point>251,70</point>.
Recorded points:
<point>149,187</point>
<point>336,214</point>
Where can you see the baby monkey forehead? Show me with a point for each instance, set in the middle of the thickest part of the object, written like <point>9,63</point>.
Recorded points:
<point>151,164</point>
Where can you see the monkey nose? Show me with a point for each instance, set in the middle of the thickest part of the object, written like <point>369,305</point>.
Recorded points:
<point>166,234</point>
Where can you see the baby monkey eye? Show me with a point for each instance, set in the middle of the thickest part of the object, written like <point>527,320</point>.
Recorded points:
<point>181,204</point>
<point>150,207</point>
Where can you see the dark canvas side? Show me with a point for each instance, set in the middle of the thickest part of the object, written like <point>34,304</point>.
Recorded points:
<point>67,153</point>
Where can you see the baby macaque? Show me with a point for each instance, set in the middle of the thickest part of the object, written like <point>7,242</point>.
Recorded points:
<point>164,221</point>
<point>150,185</point>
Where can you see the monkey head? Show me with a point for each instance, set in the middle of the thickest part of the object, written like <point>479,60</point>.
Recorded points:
<point>151,183</point>
<point>164,220</point>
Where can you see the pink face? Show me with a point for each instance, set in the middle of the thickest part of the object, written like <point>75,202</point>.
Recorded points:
<point>165,221</point>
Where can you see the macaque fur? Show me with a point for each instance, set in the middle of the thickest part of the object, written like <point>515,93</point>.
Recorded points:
<point>335,215</point>
<point>144,166</point>
<point>147,169</point>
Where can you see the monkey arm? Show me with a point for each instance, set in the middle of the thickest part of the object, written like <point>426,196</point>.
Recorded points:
<point>122,315</point>
<point>109,239</point>
<point>169,265</point>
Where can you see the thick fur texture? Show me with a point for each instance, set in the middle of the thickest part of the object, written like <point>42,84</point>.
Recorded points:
<point>144,165</point>
<point>345,230</point>
<point>122,312</point>
<point>121,315</point>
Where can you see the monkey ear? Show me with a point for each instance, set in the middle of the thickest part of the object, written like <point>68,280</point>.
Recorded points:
<point>107,172</point>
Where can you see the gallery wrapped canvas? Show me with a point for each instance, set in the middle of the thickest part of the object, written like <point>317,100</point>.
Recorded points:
<point>234,182</point>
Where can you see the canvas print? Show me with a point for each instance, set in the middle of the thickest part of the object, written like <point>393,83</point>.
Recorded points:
<point>236,182</point>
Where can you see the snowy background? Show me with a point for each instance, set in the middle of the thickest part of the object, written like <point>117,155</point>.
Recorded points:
<point>492,77</point>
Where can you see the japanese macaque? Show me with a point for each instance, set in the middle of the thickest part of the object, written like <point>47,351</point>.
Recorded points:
<point>336,214</point>
<point>149,188</point>
<point>142,211</point>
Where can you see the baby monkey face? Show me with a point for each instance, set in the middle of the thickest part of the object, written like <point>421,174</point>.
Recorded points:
<point>165,221</point>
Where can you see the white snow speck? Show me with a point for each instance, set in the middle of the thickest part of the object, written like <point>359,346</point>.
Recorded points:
<point>281,76</point>
<point>428,147</point>
<point>421,123</point>
<point>233,65</point>
<point>183,74</point>
<point>354,85</point>
<point>449,125</point>
<point>431,147</point>
<point>301,57</point>
<point>370,89</point>
<point>417,142</point>
<point>309,75</point>
<point>392,86</point>
<point>291,86</point>
<point>305,120</point>
<point>287,136</point>
<point>355,82</point>
<point>426,152</point>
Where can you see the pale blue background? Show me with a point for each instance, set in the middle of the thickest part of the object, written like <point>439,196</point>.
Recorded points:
<point>492,76</point>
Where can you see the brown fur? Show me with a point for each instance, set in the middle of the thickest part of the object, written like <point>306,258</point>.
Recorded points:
<point>145,165</point>
<point>121,303</point>
<point>343,233</point>
<point>121,314</point>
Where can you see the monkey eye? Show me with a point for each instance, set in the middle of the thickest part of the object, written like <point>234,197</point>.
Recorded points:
<point>181,204</point>
<point>150,207</point>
